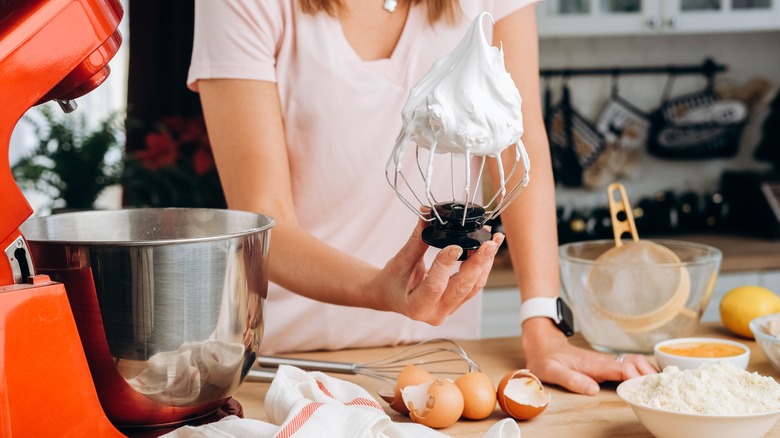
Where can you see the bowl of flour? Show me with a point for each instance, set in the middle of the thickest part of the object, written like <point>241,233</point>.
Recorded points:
<point>717,400</point>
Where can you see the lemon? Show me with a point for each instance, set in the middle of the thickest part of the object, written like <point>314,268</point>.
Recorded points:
<point>742,304</point>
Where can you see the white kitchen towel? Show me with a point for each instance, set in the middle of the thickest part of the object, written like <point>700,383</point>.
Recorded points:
<point>312,404</point>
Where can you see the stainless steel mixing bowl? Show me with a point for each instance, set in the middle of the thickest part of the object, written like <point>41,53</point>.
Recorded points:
<point>168,303</point>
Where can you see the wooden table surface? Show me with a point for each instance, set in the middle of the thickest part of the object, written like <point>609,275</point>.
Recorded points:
<point>568,415</point>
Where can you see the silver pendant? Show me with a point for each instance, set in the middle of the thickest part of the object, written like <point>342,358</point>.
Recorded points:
<point>390,5</point>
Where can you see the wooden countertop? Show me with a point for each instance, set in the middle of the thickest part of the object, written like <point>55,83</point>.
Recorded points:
<point>568,415</point>
<point>740,254</point>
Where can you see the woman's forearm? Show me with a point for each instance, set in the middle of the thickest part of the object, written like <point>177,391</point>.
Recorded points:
<point>254,170</point>
<point>529,222</point>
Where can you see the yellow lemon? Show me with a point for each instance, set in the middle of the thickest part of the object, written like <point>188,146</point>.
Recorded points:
<point>742,304</point>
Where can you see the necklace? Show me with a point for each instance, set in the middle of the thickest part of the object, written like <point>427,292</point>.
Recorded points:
<point>390,5</point>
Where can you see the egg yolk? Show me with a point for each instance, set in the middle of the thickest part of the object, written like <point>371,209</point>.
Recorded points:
<point>703,349</point>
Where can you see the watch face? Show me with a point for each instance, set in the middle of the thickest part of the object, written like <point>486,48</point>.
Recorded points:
<point>565,318</point>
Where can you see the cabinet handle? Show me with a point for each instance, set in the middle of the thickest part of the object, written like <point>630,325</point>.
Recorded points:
<point>673,22</point>
<point>654,22</point>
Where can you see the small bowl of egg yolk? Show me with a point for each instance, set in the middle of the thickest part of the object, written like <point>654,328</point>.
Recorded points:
<point>688,353</point>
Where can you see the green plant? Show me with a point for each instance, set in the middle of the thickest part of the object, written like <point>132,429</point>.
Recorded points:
<point>71,163</point>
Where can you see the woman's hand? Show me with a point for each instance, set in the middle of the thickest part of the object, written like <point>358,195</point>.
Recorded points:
<point>551,357</point>
<point>405,287</point>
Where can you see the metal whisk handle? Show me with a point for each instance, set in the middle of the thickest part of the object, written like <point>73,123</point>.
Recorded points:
<point>308,364</point>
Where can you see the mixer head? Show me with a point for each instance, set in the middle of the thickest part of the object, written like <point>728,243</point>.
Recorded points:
<point>49,49</point>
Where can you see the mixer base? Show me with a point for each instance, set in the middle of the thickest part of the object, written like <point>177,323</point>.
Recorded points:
<point>230,407</point>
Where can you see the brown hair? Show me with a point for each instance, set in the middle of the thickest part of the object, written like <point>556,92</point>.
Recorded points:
<point>438,10</point>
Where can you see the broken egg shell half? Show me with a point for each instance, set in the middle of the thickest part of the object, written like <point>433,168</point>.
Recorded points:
<point>410,375</point>
<point>521,395</point>
<point>435,404</point>
<point>479,395</point>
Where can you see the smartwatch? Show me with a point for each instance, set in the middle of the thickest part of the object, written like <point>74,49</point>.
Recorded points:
<point>553,308</point>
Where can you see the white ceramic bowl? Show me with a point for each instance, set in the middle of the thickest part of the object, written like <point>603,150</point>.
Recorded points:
<point>768,343</point>
<point>668,424</point>
<point>665,358</point>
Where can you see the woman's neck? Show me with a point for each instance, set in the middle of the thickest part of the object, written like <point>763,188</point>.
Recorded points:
<point>372,31</point>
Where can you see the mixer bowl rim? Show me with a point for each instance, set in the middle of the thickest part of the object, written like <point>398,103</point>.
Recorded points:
<point>26,227</point>
<point>713,254</point>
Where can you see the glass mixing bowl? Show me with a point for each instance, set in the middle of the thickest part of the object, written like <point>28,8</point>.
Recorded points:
<point>629,305</point>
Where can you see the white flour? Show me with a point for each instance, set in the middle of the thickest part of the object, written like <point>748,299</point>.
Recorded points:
<point>719,388</point>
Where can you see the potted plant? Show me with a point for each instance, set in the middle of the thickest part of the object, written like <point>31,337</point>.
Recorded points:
<point>72,162</point>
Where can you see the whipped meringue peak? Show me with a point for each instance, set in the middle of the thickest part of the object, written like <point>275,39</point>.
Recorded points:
<point>462,115</point>
<point>467,103</point>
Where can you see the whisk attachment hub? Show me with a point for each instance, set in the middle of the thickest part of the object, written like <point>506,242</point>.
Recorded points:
<point>455,223</point>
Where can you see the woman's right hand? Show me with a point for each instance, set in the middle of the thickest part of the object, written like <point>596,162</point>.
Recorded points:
<point>405,286</point>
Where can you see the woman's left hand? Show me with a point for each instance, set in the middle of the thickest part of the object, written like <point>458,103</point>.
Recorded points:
<point>554,360</point>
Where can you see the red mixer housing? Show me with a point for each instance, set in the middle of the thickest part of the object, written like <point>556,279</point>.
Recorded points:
<point>49,49</point>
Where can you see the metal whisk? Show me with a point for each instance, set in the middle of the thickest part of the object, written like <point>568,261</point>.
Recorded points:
<point>438,356</point>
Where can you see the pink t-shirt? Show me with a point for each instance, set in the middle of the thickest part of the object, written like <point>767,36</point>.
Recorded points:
<point>342,116</point>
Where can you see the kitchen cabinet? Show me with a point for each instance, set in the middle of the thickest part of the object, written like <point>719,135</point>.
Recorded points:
<point>570,18</point>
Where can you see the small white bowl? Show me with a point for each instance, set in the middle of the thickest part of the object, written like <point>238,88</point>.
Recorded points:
<point>668,424</point>
<point>665,359</point>
<point>769,343</point>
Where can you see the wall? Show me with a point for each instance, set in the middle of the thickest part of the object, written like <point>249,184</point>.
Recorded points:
<point>747,55</point>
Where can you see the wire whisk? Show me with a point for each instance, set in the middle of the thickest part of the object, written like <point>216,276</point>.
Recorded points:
<point>438,356</point>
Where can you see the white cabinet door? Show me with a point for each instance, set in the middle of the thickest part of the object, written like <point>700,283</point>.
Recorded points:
<point>704,16</point>
<point>501,312</point>
<point>569,18</point>
<point>598,17</point>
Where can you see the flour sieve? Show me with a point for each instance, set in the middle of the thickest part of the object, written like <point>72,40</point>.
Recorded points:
<point>633,266</point>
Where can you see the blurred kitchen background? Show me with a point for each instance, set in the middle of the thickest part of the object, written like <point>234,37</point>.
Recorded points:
<point>628,117</point>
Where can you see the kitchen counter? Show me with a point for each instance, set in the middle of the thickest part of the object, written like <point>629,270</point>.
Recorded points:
<point>568,415</point>
<point>740,254</point>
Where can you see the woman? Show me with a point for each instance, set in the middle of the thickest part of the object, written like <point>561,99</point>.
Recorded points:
<point>302,100</point>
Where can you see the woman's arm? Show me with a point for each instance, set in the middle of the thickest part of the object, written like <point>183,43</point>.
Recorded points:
<point>246,128</point>
<point>530,226</point>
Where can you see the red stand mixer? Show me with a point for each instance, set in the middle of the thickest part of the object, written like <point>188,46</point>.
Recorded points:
<point>49,49</point>
<point>155,315</point>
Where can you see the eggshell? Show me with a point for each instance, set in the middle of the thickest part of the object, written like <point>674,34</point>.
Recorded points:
<point>479,395</point>
<point>410,375</point>
<point>434,404</point>
<point>521,395</point>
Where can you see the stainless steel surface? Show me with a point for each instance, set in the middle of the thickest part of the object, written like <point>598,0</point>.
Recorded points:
<point>67,106</point>
<point>180,293</point>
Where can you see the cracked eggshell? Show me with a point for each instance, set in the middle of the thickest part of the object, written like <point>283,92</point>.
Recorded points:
<point>435,404</point>
<point>479,395</point>
<point>521,395</point>
<point>410,375</point>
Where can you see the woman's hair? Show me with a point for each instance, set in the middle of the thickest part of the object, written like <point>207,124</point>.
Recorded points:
<point>438,10</point>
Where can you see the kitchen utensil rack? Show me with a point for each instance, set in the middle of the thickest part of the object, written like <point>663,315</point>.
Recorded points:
<point>708,68</point>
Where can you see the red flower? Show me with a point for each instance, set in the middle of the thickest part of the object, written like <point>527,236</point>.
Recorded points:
<point>187,130</point>
<point>202,160</point>
<point>161,151</point>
